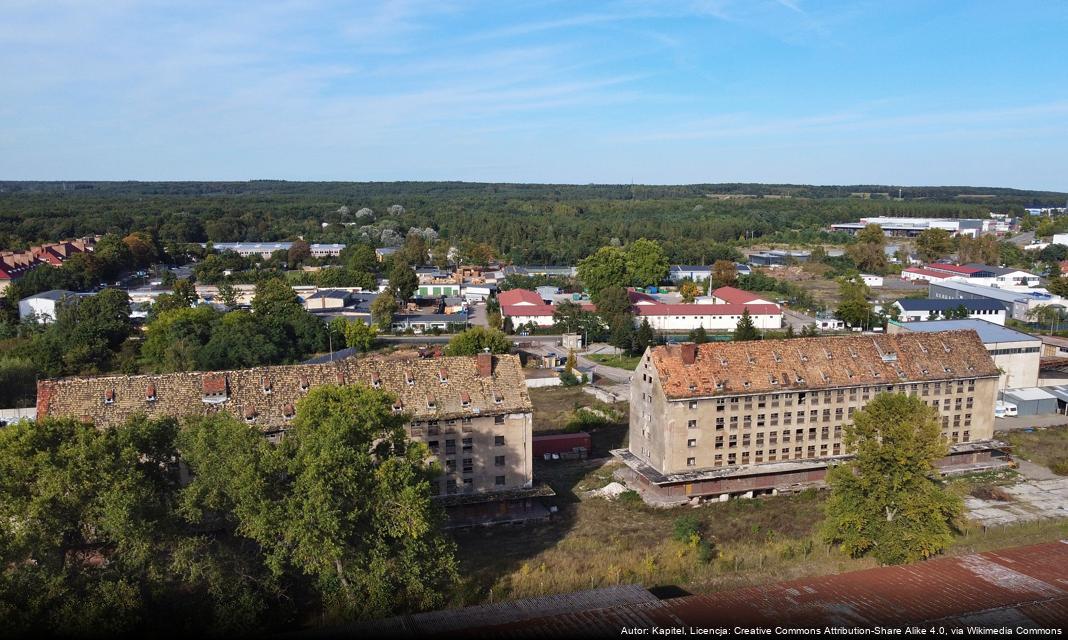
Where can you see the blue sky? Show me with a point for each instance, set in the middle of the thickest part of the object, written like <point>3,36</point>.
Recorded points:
<point>683,91</point>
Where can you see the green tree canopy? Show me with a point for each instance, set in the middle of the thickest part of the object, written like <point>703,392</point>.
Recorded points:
<point>646,263</point>
<point>853,306</point>
<point>888,502</point>
<point>477,340</point>
<point>745,329</point>
<point>933,244</point>
<point>606,268</point>
<point>402,281</point>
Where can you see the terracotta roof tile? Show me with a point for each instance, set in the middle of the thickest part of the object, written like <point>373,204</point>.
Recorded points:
<point>726,368</point>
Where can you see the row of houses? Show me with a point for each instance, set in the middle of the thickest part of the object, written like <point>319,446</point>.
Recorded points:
<point>15,264</point>
<point>719,311</point>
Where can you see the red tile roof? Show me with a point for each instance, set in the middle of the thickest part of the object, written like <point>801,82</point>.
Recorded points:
<point>762,366</point>
<point>937,275</point>
<point>519,296</point>
<point>734,295</point>
<point>954,268</point>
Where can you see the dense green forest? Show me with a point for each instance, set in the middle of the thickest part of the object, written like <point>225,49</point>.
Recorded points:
<point>524,223</point>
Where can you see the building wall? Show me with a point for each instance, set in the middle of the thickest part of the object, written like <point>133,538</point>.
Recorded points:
<point>467,450</point>
<point>997,317</point>
<point>43,308</point>
<point>1018,361</point>
<point>678,436</point>
<point>539,321</point>
<point>709,322</point>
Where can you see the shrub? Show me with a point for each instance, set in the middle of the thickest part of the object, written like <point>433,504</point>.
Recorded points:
<point>686,527</point>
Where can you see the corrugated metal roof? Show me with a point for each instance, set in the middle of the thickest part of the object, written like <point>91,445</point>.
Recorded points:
<point>1025,586</point>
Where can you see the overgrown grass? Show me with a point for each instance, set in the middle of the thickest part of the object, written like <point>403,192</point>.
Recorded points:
<point>620,362</point>
<point>596,542</point>
<point>1047,446</point>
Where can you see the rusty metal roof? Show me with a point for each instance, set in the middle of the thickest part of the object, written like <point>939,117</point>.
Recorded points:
<point>1025,586</point>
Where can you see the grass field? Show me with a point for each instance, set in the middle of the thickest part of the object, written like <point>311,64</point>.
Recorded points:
<point>594,542</point>
<point>620,362</point>
<point>1047,446</point>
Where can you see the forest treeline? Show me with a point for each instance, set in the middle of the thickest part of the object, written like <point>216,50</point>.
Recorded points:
<point>552,224</point>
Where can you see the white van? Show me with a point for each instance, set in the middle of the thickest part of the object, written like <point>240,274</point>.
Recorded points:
<point>1004,409</point>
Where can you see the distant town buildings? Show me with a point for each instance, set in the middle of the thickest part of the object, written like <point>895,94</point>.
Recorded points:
<point>265,249</point>
<point>922,309</point>
<point>738,418</point>
<point>15,264</point>
<point>912,227</point>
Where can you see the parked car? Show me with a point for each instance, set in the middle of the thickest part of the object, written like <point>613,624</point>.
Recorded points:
<point>1004,409</point>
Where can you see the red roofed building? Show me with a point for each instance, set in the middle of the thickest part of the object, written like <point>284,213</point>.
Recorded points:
<point>713,317</point>
<point>732,295</point>
<point>927,275</point>
<point>520,297</point>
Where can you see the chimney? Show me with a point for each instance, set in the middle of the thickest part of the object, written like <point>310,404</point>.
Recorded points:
<point>485,365</point>
<point>688,352</point>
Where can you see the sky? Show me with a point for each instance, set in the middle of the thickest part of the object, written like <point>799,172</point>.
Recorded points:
<point>895,92</point>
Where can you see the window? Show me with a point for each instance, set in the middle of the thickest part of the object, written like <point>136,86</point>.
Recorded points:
<point>469,485</point>
<point>692,424</point>
<point>450,447</point>
<point>691,443</point>
<point>498,461</point>
<point>498,441</point>
<point>498,419</point>
<point>693,404</point>
<point>467,445</point>
<point>468,465</point>
<point>433,444</point>
<point>499,481</point>
<point>450,466</point>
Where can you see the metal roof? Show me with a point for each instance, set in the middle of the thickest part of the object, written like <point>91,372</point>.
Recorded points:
<point>1024,585</point>
<point>938,304</point>
<point>988,331</point>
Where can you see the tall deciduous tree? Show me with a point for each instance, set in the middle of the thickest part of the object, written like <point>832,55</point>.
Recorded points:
<point>724,274</point>
<point>382,309</point>
<point>868,252</point>
<point>477,340</point>
<point>607,267</point>
<point>887,502</point>
<point>360,335</point>
<point>402,281</point>
<point>646,263</point>
<point>853,306</point>
<point>933,244</point>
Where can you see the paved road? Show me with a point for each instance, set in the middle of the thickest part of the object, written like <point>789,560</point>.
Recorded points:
<point>1023,239</point>
<point>477,316</point>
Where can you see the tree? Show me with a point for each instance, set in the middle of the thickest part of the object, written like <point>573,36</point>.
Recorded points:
<point>606,268</point>
<point>299,251</point>
<point>228,294</point>
<point>699,335</point>
<point>1044,313</point>
<point>646,263</point>
<point>887,500</point>
<point>933,244</point>
<point>853,306</point>
<point>477,340</point>
<point>868,252</point>
<point>724,274</point>
<point>644,337</point>
<point>402,281</point>
<point>790,332</point>
<point>984,250</point>
<point>689,291</point>
<point>360,335</point>
<point>745,329</point>
<point>621,334</point>
<point>345,499</point>
<point>142,248</point>
<point>383,307</point>
<point>274,299</point>
<point>174,338</point>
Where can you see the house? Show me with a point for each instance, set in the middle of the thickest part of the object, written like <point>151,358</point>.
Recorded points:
<point>381,253</point>
<point>478,293</point>
<point>872,280</point>
<point>523,307</point>
<point>1003,277</point>
<point>732,295</point>
<point>427,322</point>
<point>921,309</point>
<point>328,300</point>
<point>679,272</point>
<point>44,307</point>
<point>742,418</point>
<point>15,264</point>
<point>1015,354</point>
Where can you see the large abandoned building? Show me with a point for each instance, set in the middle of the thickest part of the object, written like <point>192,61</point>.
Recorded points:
<point>738,418</point>
<point>472,412</point>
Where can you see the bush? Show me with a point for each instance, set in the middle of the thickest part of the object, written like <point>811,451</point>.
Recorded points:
<point>686,528</point>
<point>630,497</point>
<point>568,379</point>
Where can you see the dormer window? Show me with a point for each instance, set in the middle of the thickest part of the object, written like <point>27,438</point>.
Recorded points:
<point>150,393</point>
<point>693,387</point>
<point>288,411</point>
<point>443,376</point>
<point>719,386</point>
<point>398,407</point>
<point>498,398</point>
<point>409,378</point>
<point>773,379</point>
<point>250,414</point>
<point>214,388</point>
<point>376,380</point>
<point>109,396</point>
<point>431,403</point>
<point>304,383</point>
<point>465,399</point>
<point>265,386</point>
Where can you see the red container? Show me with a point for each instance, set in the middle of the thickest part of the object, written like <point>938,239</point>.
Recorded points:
<point>560,443</point>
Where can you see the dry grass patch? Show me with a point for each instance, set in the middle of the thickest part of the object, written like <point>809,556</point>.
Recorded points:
<point>1047,446</point>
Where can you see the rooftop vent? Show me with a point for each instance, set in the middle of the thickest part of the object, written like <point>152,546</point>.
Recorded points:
<point>409,378</point>
<point>376,380</point>
<point>250,414</point>
<point>288,411</point>
<point>150,392</point>
<point>465,399</point>
<point>304,383</point>
<point>398,406</point>
<point>109,396</point>
<point>265,384</point>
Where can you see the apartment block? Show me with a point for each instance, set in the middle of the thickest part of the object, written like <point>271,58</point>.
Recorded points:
<point>728,418</point>
<point>472,412</point>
